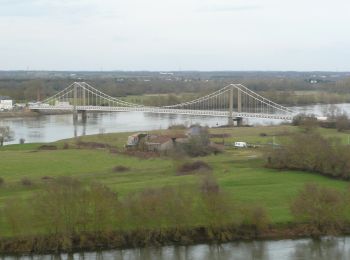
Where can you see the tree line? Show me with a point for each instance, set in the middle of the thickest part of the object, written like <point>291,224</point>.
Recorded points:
<point>29,88</point>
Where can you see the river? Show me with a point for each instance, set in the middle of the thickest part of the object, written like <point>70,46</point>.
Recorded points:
<point>327,248</point>
<point>48,128</point>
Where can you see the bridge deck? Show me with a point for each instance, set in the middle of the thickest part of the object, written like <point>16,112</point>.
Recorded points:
<point>158,110</point>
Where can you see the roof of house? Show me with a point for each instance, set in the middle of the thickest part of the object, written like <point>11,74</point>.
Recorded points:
<point>164,138</point>
<point>159,139</point>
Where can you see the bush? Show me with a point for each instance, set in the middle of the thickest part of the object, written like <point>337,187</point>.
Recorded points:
<point>177,127</point>
<point>306,122</point>
<point>189,167</point>
<point>312,152</point>
<point>256,217</point>
<point>120,168</point>
<point>47,147</point>
<point>47,178</point>
<point>2,181</point>
<point>342,122</point>
<point>157,208</point>
<point>198,144</point>
<point>322,208</point>
<point>66,206</point>
<point>26,182</point>
<point>209,185</point>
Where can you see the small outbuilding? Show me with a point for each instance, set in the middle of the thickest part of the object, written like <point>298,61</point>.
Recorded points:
<point>240,144</point>
<point>6,103</point>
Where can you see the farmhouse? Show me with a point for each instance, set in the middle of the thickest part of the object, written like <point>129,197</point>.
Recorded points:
<point>164,143</point>
<point>154,143</point>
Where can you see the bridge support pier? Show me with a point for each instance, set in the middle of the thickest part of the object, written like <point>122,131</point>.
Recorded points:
<point>230,121</point>
<point>83,116</point>
<point>75,116</point>
<point>239,121</point>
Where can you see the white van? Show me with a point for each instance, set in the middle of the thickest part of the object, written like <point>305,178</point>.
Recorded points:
<point>240,144</point>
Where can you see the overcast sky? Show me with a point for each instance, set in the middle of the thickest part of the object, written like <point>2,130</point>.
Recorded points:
<point>175,35</point>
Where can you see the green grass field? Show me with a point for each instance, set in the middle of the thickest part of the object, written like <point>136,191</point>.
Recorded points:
<point>240,173</point>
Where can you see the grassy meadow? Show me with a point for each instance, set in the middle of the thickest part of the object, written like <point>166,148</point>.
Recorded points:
<point>239,172</point>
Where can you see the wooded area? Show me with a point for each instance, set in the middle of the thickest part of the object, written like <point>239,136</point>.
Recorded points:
<point>282,87</point>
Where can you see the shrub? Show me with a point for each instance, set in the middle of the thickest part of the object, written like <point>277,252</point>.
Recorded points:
<point>256,217</point>
<point>312,152</point>
<point>91,145</point>
<point>209,185</point>
<point>120,168</point>
<point>47,178</point>
<point>198,144</point>
<point>189,167</point>
<point>177,127</point>
<point>66,146</point>
<point>47,147</point>
<point>162,207</point>
<point>2,181</point>
<point>322,208</point>
<point>66,206</point>
<point>218,210</point>
<point>342,122</point>
<point>304,120</point>
<point>26,182</point>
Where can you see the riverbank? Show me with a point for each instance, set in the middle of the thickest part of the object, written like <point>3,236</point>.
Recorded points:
<point>19,114</point>
<point>240,174</point>
<point>88,242</point>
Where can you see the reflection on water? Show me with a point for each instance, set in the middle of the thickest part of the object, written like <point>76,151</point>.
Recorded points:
<point>47,128</point>
<point>326,248</point>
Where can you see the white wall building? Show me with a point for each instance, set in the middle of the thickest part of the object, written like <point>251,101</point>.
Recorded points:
<point>6,103</point>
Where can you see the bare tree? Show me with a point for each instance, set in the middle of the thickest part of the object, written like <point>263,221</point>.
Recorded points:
<point>5,134</point>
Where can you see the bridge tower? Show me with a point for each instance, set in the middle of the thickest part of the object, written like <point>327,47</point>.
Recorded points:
<point>239,107</point>
<point>75,102</point>
<point>230,108</point>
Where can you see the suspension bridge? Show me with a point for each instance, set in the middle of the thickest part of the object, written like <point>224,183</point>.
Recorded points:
<point>234,101</point>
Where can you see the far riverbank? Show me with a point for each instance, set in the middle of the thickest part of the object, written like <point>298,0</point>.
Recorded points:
<point>19,114</point>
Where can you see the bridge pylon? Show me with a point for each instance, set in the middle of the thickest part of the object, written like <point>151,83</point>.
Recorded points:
<point>230,107</point>
<point>75,102</point>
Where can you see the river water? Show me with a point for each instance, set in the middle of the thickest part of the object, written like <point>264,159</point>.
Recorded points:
<point>48,128</point>
<point>327,248</point>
